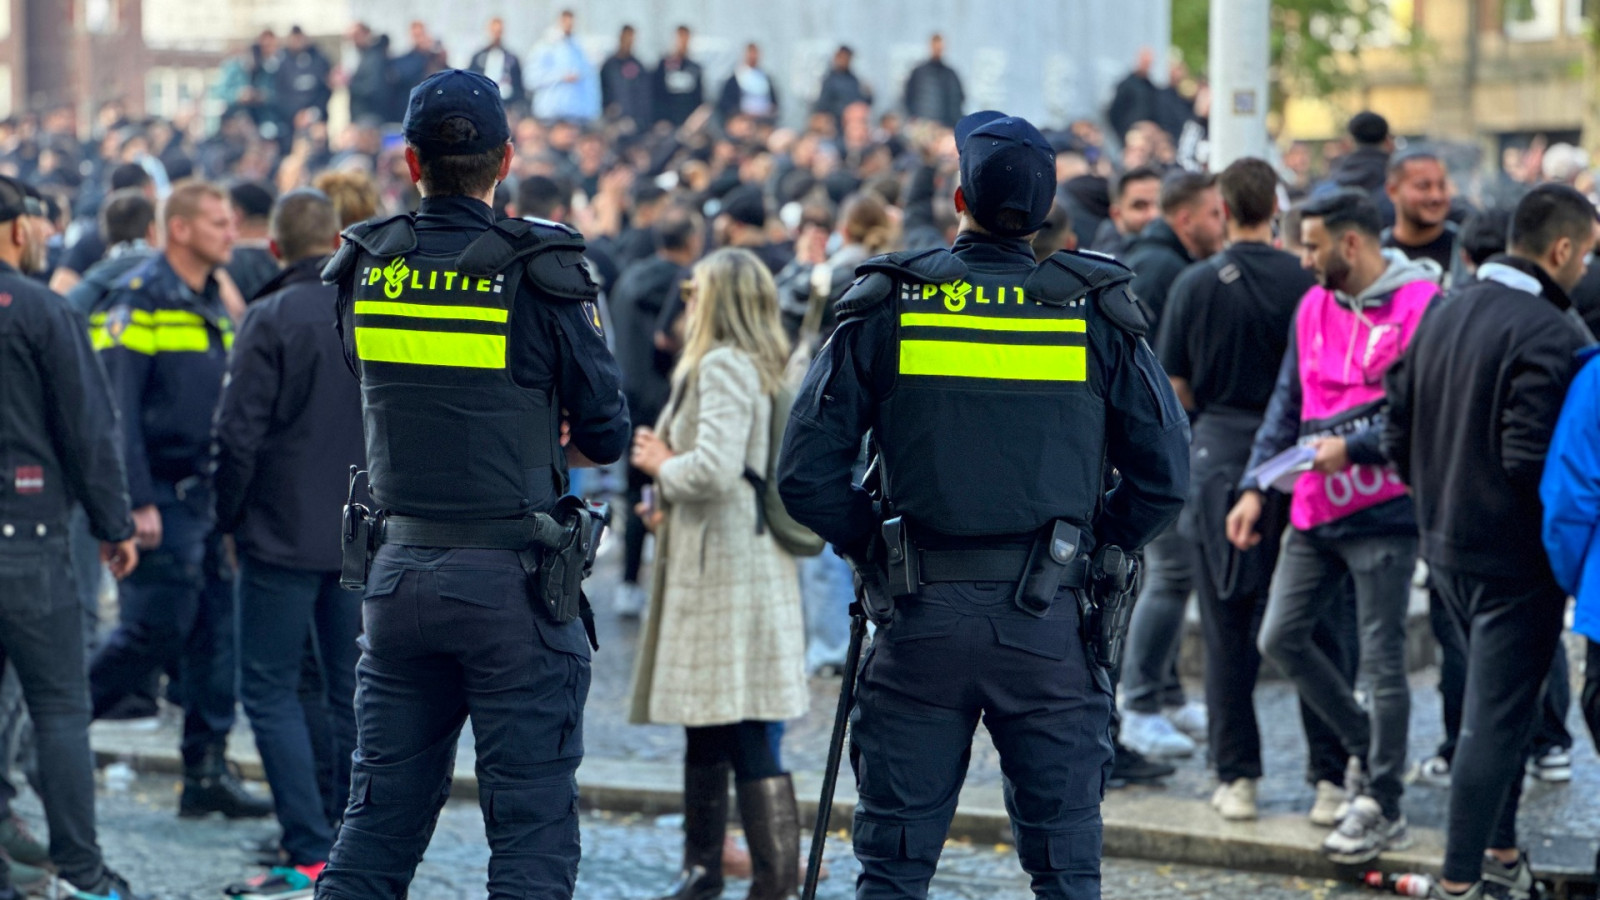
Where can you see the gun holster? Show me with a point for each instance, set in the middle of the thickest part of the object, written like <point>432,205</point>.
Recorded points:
<point>1052,553</point>
<point>556,571</point>
<point>1113,573</point>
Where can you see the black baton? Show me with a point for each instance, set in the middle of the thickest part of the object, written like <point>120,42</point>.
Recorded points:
<point>841,719</point>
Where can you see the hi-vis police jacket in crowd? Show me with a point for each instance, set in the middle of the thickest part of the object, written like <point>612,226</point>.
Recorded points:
<point>998,391</point>
<point>165,348</point>
<point>470,337</point>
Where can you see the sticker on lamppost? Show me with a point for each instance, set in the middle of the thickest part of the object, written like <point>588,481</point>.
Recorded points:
<point>1244,103</point>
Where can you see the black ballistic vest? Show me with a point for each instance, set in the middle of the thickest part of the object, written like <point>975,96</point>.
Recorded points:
<point>996,423</point>
<point>449,434</point>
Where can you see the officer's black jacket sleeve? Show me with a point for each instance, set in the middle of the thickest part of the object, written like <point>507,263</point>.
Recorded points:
<point>565,348</point>
<point>1147,440</point>
<point>83,423</point>
<point>249,394</point>
<point>831,414</point>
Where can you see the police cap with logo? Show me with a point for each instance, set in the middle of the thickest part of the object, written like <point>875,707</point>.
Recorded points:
<point>1006,165</point>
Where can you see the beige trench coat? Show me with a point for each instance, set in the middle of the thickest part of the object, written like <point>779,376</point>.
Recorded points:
<point>723,639</point>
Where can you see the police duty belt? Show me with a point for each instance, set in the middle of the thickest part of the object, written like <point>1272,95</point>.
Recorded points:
<point>538,529</point>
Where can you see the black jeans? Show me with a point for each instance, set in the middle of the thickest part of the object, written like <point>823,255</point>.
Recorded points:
<point>1510,628</point>
<point>1551,731</point>
<point>41,633</point>
<point>177,607</point>
<point>278,607</point>
<point>1591,691</point>
<point>452,634</point>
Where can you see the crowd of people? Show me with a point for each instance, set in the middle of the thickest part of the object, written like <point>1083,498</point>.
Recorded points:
<point>1315,321</point>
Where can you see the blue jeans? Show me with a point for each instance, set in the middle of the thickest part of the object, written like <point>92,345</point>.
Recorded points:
<point>278,606</point>
<point>826,589</point>
<point>177,606</point>
<point>452,634</point>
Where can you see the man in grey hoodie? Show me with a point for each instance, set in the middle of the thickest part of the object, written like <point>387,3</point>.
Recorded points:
<point>128,222</point>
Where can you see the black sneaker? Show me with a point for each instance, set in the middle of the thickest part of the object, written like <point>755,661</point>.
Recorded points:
<point>213,786</point>
<point>111,886</point>
<point>1129,766</point>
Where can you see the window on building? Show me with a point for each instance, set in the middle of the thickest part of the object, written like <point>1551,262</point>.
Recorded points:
<point>1532,20</point>
<point>1581,16</point>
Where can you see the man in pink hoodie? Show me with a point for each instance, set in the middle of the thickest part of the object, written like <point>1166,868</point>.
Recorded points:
<point>1351,515</point>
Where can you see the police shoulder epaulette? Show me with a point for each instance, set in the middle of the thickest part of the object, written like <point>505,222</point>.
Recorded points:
<point>394,236</point>
<point>864,293</point>
<point>1066,277</point>
<point>935,266</point>
<point>553,255</point>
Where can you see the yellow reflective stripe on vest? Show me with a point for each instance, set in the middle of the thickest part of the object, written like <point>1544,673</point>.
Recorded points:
<point>1018,362</point>
<point>431,348</point>
<point>426,311</point>
<point>986,323</point>
<point>151,340</point>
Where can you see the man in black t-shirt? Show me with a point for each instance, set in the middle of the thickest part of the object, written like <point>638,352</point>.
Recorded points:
<point>1420,189</point>
<point>1224,331</point>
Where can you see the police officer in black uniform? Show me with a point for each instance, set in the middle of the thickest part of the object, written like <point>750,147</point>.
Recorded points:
<point>998,393</point>
<point>480,351</point>
<point>59,445</point>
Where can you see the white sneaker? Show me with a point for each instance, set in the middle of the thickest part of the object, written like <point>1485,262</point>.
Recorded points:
<point>1236,800</point>
<point>1433,772</point>
<point>1364,833</point>
<point>1331,800</point>
<point>629,601</point>
<point>1191,719</point>
<point>1152,735</point>
<point>1554,765</point>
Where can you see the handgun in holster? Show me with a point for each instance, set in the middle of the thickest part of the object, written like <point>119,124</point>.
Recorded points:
<point>1112,573</point>
<point>565,556</point>
<point>356,545</point>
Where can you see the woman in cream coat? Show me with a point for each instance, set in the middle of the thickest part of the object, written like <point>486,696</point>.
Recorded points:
<point>723,647</point>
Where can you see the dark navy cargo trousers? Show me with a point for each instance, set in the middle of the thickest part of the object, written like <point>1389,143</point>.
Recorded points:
<point>451,634</point>
<point>957,652</point>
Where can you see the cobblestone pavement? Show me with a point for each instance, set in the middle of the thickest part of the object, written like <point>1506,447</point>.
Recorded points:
<point>624,858</point>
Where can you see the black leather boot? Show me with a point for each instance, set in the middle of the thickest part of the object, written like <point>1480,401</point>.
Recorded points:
<point>705,824</point>
<point>772,827</point>
<point>210,787</point>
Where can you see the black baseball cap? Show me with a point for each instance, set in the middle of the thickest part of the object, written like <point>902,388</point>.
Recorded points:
<point>15,201</point>
<point>456,93</point>
<point>1006,164</point>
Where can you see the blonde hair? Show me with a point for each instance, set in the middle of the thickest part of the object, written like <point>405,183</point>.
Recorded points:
<point>865,221</point>
<point>185,199</point>
<point>354,195</point>
<point>736,303</point>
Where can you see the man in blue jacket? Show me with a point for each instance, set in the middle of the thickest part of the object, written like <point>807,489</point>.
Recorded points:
<point>1570,491</point>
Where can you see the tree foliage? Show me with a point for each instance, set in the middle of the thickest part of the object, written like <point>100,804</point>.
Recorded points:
<point>1312,40</point>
